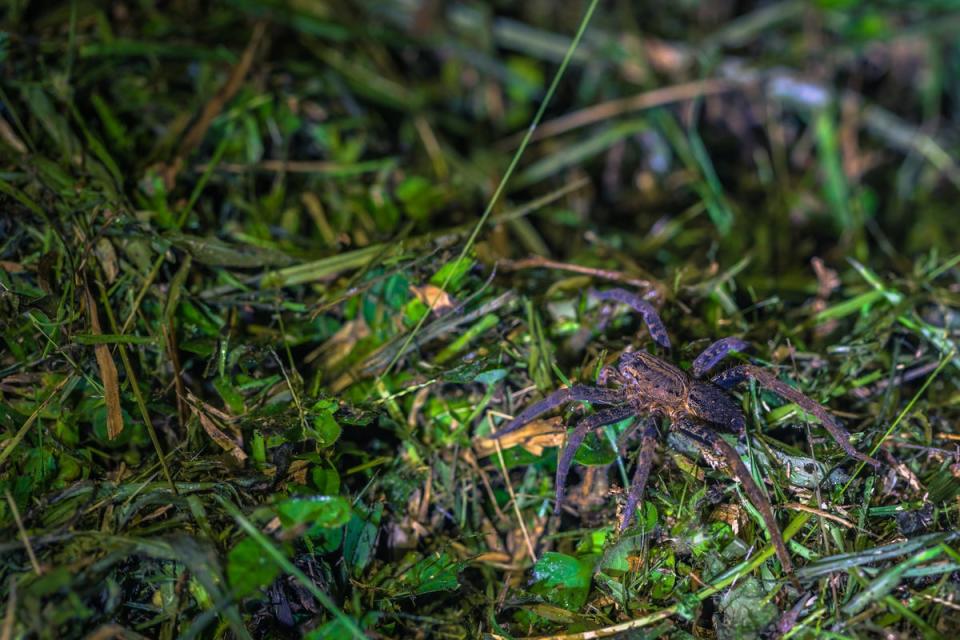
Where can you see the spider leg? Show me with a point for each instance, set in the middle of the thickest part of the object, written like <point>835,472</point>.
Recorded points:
<point>710,440</point>
<point>557,398</point>
<point>767,380</point>
<point>648,444</point>
<point>658,331</point>
<point>712,355</point>
<point>607,416</point>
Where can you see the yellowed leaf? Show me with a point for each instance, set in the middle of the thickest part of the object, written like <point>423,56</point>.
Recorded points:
<point>108,259</point>
<point>223,440</point>
<point>108,374</point>
<point>297,471</point>
<point>492,557</point>
<point>730,513</point>
<point>533,437</point>
<point>434,297</point>
<point>340,344</point>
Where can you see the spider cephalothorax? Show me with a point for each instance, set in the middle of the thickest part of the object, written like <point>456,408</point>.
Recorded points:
<point>643,384</point>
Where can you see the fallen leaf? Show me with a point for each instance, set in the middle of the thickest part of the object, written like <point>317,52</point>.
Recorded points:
<point>225,442</point>
<point>108,259</point>
<point>434,297</point>
<point>340,344</point>
<point>729,512</point>
<point>533,437</point>
<point>108,373</point>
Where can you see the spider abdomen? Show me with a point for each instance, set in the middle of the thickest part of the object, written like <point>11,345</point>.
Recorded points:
<point>709,403</point>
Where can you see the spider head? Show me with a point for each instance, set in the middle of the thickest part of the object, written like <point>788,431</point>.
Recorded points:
<point>651,379</point>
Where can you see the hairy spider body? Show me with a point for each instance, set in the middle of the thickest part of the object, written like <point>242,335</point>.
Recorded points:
<point>658,387</point>
<point>647,386</point>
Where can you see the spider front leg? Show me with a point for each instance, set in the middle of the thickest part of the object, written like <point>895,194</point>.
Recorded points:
<point>648,445</point>
<point>556,399</point>
<point>712,355</point>
<point>658,331</point>
<point>731,377</point>
<point>599,419</point>
<point>704,436</point>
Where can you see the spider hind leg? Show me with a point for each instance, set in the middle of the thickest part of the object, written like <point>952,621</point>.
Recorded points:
<point>648,444</point>
<point>768,380</point>
<point>707,439</point>
<point>599,419</point>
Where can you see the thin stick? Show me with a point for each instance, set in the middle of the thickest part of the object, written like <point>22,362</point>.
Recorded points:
<point>640,102</point>
<point>797,506</point>
<point>539,261</point>
<point>23,532</point>
<point>513,496</point>
<point>7,632</point>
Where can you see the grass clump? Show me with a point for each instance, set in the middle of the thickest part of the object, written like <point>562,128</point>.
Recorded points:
<point>265,290</point>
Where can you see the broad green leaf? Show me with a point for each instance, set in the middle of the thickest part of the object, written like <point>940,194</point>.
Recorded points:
<point>230,395</point>
<point>455,271</point>
<point>326,480</point>
<point>315,511</point>
<point>359,539</point>
<point>563,580</point>
<point>747,610</point>
<point>437,572</point>
<point>249,568</point>
<point>326,428</point>
<point>595,452</point>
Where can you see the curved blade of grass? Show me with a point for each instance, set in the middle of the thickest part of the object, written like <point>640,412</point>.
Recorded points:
<point>503,181</point>
<point>888,581</point>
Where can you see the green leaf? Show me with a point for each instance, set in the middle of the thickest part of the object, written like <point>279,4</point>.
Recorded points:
<point>747,609</point>
<point>316,511</point>
<point>835,188</point>
<point>249,569</point>
<point>595,452</point>
<point>359,539</point>
<point>396,290</point>
<point>664,575</point>
<point>452,273</point>
<point>326,427</point>
<point>230,395</point>
<point>333,630</point>
<point>437,572</point>
<point>413,311</point>
<point>492,376</point>
<point>563,580</point>
<point>326,480</point>
<point>616,558</point>
<point>419,197</point>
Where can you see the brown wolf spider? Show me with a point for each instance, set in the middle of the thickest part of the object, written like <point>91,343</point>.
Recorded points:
<point>645,385</point>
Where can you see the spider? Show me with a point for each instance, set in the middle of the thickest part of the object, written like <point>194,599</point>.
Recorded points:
<point>645,385</point>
